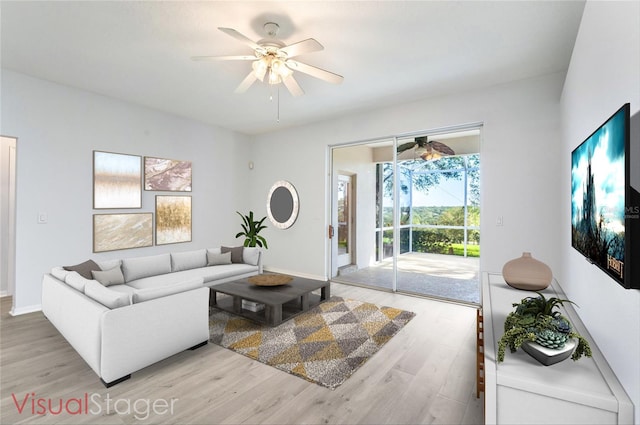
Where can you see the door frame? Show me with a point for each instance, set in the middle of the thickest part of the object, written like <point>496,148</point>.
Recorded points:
<point>8,208</point>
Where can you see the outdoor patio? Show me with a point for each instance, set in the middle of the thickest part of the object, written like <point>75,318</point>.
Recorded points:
<point>449,277</point>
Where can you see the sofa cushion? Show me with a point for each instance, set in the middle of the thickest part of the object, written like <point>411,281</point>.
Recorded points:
<point>188,260</point>
<point>218,259</point>
<point>139,267</point>
<point>236,253</point>
<point>109,277</point>
<point>207,273</point>
<point>105,296</point>
<point>76,281</point>
<point>84,269</point>
<point>141,295</point>
<point>123,289</point>
<point>60,273</point>
<point>251,255</point>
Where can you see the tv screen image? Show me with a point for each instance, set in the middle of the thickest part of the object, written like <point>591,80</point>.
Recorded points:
<point>598,186</point>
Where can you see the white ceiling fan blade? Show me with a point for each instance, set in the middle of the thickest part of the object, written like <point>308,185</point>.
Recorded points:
<point>315,72</point>
<point>305,46</point>
<point>242,38</point>
<point>246,83</point>
<point>222,58</point>
<point>292,85</point>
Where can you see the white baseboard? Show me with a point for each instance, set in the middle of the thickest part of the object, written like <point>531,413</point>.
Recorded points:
<point>4,294</point>
<point>292,273</point>
<point>25,310</point>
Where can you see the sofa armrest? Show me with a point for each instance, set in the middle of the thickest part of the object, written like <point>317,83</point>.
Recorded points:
<point>139,335</point>
<point>77,318</point>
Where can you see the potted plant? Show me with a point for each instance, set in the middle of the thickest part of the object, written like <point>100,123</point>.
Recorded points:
<point>534,324</point>
<point>250,230</point>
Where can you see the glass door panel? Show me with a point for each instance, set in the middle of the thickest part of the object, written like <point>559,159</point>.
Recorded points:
<point>434,215</point>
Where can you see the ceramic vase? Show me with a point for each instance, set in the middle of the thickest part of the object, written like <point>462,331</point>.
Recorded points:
<point>527,273</point>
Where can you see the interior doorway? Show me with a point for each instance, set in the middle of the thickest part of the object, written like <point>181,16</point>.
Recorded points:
<point>416,228</point>
<point>8,147</point>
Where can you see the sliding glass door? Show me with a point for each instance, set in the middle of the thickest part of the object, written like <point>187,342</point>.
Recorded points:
<point>416,225</point>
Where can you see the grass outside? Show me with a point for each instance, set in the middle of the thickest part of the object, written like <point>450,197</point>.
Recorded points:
<point>472,250</point>
<point>454,249</point>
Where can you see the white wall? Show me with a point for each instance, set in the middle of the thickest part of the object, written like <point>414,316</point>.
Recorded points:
<point>58,128</point>
<point>603,75</point>
<point>519,154</point>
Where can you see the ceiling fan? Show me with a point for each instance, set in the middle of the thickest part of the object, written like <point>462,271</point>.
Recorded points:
<point>272,61</point>
<point>427,149</point>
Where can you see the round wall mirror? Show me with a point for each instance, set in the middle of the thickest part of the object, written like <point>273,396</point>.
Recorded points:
<point>282,204</point>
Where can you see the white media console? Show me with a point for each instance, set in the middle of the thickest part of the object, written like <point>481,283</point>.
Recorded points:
<point>522,391</point>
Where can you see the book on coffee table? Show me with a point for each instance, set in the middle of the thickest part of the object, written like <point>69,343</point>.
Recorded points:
<point>252,306</point>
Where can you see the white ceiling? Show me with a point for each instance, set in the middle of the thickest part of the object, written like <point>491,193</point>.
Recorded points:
<point>389,52</point>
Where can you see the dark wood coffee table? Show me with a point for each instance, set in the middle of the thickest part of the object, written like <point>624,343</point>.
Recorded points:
<point>281,302</point>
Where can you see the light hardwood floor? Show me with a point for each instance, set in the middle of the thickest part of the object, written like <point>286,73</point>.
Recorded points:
<point>425,374</point>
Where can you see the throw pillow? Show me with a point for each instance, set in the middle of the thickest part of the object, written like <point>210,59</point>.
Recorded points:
<point>109,277</point>
<point>105,296</point>
<point>236,253</point>
<point>84,269</point>
<point>109,264</point>
<point>218,259</point>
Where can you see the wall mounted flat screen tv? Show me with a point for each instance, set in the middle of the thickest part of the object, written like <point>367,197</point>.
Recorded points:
<point>604,206</point>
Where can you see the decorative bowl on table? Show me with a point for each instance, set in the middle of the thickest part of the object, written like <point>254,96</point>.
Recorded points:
<point>270,279</point>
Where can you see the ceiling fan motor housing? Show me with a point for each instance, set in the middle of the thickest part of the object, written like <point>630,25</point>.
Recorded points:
<point>272,29</point>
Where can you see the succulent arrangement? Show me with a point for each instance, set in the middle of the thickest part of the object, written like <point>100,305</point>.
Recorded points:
<point>535,319</point>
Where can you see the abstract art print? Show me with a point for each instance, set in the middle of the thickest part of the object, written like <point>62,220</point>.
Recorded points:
<point>122,231</point>
<point>173,219</point>
<point>167,174</point>
<point>117,180</point>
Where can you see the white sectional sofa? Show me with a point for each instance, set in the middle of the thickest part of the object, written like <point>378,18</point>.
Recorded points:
<point>124,315</point>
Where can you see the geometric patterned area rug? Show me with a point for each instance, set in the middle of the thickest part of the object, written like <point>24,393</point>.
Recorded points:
<point>324,345</point>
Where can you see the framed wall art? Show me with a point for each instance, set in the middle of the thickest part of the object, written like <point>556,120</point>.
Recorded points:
<point>122,231</point>
<point>173,219</point>
<point>167,174</point>
<point>117,180</point>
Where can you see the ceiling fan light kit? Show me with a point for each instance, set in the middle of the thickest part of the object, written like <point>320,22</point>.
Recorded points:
<point>272,63</point>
